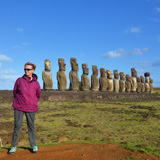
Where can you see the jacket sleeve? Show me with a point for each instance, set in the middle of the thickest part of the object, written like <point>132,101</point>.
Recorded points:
<point>15,90</point>
<point>38,93</point>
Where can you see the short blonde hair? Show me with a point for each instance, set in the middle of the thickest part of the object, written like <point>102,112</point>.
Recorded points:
<point>33,65</point>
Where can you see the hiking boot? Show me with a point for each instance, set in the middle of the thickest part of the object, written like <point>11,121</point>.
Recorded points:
<point>12,150</point>
<point>35,149</point>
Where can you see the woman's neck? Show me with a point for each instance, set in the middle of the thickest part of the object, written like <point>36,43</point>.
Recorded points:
<point>30,76</point>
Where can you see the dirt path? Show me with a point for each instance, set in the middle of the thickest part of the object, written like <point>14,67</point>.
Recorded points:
<point>77,152</point>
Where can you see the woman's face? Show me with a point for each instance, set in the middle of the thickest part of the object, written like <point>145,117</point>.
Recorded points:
<point>28,70</point>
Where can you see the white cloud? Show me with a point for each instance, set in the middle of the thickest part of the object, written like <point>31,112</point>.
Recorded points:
<point>4,58</point>
<point>142,64</point>
<point>0,64</point>
<point>158,38</point>
<point>155,19</point>
<point>20,29</point>
<point>114,54</point>
<point>138,51</point>
<point>20,46</point>
<point>133,30</point>
<point>8,75</point>
<point>7,72</point>
<point>156,64</point>
<point>158,9</point>
<point>16,46</point>
<point>120,53</point>
<point>25,43</point>
<point>83,55</point>
<point>140,72</point>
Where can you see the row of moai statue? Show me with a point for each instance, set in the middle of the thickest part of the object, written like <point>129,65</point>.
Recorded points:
<point>105,82</point>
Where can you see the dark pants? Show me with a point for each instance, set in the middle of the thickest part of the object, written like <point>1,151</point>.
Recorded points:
<point>18,118</point>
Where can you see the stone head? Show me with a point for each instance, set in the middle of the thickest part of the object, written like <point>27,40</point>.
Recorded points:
<point>74,64</point>
<point>150,80</point>
<point>138,79</point>
<point>62,65</point>
<point>85,68</point>
<point>133,72</point>
<point>103,72</point>
<point>95,70</point>
<point>47,65</point>
<point>116,75</point>
<point>122,76</point>
<point>142,79</point>
<point>109,74</point>
<point>128,78</point>
<point>147,74</point>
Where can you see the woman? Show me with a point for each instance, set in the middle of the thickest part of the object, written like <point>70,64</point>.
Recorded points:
<point>26,95</point>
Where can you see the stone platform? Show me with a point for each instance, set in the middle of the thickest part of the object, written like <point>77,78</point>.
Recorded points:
<point>55,95</point>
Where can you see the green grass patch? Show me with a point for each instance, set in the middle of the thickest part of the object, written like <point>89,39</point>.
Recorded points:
<point>156,90</point>
<point>133,125</point>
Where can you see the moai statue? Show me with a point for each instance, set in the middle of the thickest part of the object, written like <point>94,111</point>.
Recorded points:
<point>102,80</point>
<point>61,75</point>
<point>133,80</point>
<point>147,86</point>
<point>94,79</point>
<point>47,76</point>
<point>138,85</point>
<point>116,81</point>
<point>109,81</point>
<point>151,85</point>
<point>128,83</point>
<point>84,78</point>
<point>142,84</point>
<point>122,82</point>
<point>73,76</point>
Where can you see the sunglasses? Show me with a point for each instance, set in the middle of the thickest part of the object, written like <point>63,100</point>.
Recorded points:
<point>27,69</point>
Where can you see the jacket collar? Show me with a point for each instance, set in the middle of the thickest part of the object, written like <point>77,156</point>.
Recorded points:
<point>34,77</point>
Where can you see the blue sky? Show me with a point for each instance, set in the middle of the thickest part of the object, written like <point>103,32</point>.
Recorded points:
<point>112,34</point>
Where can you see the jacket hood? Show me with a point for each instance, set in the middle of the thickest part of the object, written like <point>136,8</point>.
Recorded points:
<point>35,77</point>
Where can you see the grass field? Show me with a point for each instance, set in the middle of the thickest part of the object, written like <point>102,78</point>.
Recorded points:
<point>133,125</point>
<point>157,90</point>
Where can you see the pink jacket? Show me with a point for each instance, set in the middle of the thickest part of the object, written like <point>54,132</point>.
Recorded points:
<point>26,94</point>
